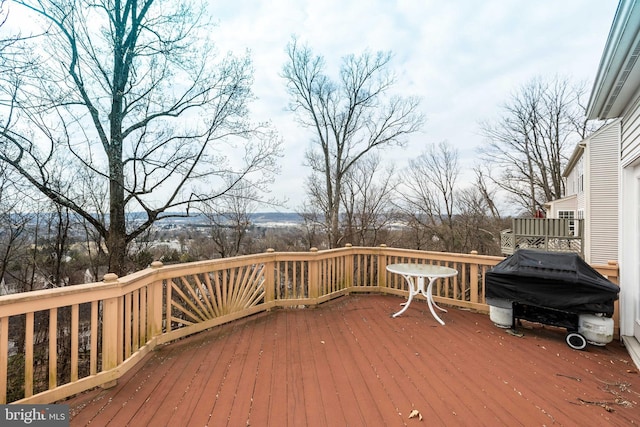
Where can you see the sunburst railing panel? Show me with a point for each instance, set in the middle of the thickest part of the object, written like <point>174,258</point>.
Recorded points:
<point>201,297</point>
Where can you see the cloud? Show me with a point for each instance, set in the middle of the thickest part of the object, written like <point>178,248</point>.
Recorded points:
<point>464,57</point>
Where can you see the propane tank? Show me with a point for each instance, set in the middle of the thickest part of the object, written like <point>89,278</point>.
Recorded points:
<point>598,330</point>
<point>500,312</point>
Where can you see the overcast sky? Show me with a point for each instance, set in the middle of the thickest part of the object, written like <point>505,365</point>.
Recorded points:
<point>462,57</point>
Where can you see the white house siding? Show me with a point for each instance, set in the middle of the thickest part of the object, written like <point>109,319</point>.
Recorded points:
<point>601,195</point>
<point>571,185</point>
<point>581,201</point>
<point>630,145</point>
<point>572,180</point>
<point>616,94</point>
<point>629,253</point>
<point>581,168</point>
<point>566,204</point>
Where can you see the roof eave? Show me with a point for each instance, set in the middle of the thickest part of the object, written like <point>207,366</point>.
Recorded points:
<point>573,160</point>
<point>618,76</point>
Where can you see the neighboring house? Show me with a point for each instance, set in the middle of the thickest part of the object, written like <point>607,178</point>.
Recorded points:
<point>566,208</point>
<point>616,94</point>
<point>591,182</point>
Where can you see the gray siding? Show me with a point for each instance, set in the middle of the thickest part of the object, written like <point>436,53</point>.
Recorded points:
<point>603,195</point>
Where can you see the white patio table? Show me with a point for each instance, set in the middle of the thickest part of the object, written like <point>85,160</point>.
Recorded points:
<point>415,275</point>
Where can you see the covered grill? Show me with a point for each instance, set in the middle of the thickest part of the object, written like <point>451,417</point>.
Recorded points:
<point>555,288</point>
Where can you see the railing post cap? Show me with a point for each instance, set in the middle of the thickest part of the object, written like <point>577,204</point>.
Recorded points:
<point>110,277</point>
<point>348,245</point>
<point>314,249</point>
<point>270,250</point>
<point>156,264</point>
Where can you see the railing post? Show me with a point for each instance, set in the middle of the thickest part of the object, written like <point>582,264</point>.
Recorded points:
<point>616,304</point>
<point>4,358</point>
<point>581,234</point>
<point>614,265</point>
<point>154,315</point>
<point>269,278</point>
<point>314,275</point>
<point>473,279</point>
<point>110,322</point>
<point>348,266</point>
<point>382,266</point>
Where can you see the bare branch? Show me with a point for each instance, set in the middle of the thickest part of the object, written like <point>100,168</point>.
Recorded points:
<point>135,101</point>
<point>530,144</point>
<point>350,117</point>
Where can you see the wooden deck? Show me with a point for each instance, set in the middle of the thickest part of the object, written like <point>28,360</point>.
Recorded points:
<point>347,362</point>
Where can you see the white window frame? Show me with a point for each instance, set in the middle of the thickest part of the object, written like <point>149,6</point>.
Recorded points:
<point>580,175</point>
<point>571,216</point>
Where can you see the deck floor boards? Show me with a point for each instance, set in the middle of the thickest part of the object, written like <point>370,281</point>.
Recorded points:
<point>347,362</point>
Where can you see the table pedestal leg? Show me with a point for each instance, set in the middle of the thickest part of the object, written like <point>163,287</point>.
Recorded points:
<point>415,289</point>
<point>412,291</point>
<point>431,302</point>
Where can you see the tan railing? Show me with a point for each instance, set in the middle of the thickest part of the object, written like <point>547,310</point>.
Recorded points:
<point>58,342</point>
<point>549,234</point>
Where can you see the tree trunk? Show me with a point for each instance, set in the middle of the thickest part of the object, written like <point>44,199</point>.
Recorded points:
<point>116,240</point>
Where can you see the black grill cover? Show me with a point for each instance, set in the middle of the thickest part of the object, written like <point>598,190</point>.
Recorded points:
<point>551,279</point>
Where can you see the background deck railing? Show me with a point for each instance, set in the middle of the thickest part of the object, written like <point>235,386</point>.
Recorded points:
<point>58,342</point>
<point>549,234</point>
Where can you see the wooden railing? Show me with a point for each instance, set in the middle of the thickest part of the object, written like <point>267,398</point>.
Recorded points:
<point>58,342</point>
<point>549,234</point>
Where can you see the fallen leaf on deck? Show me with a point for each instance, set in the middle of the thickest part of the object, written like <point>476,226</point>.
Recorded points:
<point>415,413</point>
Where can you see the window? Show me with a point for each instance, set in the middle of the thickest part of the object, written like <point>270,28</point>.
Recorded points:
<point>580,170</point>
<point>570,215</point>
<point>566,214</point>
<point>581,184</point>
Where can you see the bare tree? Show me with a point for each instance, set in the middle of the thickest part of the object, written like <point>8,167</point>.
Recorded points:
<point>477,227</point>
<point>349,117</point>
<point>367,198</point>
<point>530,143</point>
<point>5,42</point>
<point>486,191</point>
<point>230,218</point>
<point>313,224</point>
<point>14,233</point>
<point>430,195</point>
<point>3,13</point>
<point>35,237</point>
<point>129,98</point>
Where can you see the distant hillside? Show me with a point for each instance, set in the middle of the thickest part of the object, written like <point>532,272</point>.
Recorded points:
<point>285,217</point>
<point>264,219</point>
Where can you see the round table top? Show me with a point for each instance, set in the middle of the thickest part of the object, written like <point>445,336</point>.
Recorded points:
<point>424,270</point>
